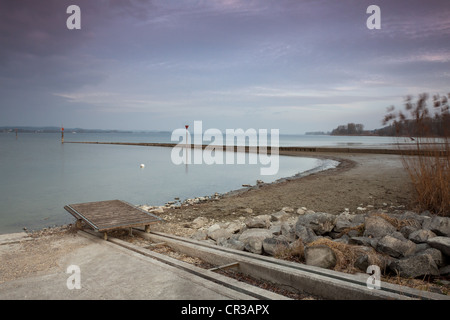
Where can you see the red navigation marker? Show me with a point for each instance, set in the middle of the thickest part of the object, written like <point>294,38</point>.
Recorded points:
<point>62,129</point>
<point>186,127</point>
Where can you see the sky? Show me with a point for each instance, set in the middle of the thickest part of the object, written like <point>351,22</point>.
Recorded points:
<point>292,65</point>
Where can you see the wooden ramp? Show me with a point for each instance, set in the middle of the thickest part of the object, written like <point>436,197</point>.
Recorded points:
<point>103,216</point>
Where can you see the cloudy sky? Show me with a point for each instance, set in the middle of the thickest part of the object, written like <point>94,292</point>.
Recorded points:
<point>293,65</point>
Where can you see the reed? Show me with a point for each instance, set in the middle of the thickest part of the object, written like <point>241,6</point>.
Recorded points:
<point>430,133</point>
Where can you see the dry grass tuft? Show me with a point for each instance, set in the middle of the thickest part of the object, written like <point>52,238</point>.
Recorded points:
<point>398,223</point>
<point>347,254</point>
<point>359,228</point>
<point>295,252</point>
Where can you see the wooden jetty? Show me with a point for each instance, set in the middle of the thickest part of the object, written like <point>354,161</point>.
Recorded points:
<point>103,216</point>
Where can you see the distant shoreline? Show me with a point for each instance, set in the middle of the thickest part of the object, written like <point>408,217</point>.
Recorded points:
<point>394,151</point>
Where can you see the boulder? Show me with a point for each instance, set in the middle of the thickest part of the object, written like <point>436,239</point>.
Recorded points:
<point>272,245</point>
<point>279,216</point>
<point>415,266</point>
<point>439,225</point>
<point>261,221</point>
<point>235,227</point>
<point>377,227</point>
<point>362,262</point>
<point>219,233</point>
<point>346,220</point>
<point>319,222</point>
<point>407,230</point>
<point>320,256</point>
<point>288,231</point>
<point>212,228</point>
<point>305,233</point>
<point>275,229</point>
<point>233,244</point>
<point>254,245</point>
<point>364,241</point>
<point>258,233</point>
<point>436,255</point>
<point>445,271</point>
<point>440,243</point>
<point>253,239</point>
<point>421,236</point>
<point>200,235</point>
<point>396,248</point>
<point>199,222</point>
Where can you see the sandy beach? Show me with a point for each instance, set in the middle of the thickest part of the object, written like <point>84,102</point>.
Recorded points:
<point>370,181</point>
<point>361,180</point>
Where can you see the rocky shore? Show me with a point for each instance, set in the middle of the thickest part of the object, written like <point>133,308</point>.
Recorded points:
<point>407,244</point>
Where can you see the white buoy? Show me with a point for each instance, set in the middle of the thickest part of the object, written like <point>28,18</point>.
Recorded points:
<point>142,166</point>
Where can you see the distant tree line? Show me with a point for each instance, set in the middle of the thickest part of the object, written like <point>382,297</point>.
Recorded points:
<point>349,129</point>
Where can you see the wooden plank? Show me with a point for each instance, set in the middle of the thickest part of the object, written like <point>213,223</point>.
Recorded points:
<point>111,214</point>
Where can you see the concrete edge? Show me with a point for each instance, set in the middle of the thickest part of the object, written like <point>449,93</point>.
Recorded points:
<point>354,282</point>
<point>227,286</point>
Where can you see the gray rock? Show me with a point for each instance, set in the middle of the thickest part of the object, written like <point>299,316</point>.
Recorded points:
<point>199,222</point>
<point>398,235</point>
<point>219,233</point>
<point>235,227</point>
<point>279,216</point>
<point>233,244</point>
<point>435,254</point>
<point>362,262</point>
<point>377,227</point>
<point>415,266</point>
<point>275,229</point>
<point>346,220</point>
<point>272,245</point>
<point>320,256</point>
<point>439,225</point>
<point>254,245</point>
<point>305,233</point>
<point>396,248</point>
<point>252,233</point>
<point>200,235</point>
<point>421,236</point>
<point>440,243</point>
<point>262,221</point>
<point>364,241</point>
<point>253,239</point>
<point>214,227</point>
<point>407,230</point>
<point>445,271</point>
<point>288,231</point>
<point>422,247</point>
<point>319,222</point>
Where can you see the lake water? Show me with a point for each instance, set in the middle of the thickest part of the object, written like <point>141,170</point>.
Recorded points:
<point>39,175</point>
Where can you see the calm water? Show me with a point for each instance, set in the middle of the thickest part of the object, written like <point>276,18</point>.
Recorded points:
<point>39,175</point>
